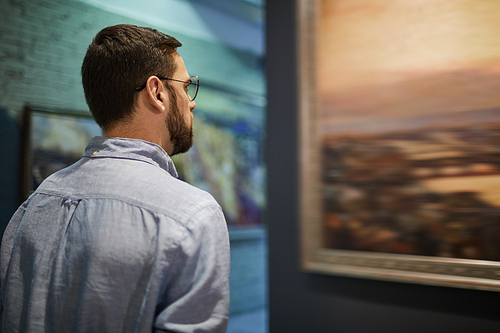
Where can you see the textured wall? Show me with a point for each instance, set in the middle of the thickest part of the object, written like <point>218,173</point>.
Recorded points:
<point>248,281</point>
<point>43,42</point>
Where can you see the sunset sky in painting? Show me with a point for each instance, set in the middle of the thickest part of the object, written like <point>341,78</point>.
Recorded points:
<point>391,57</point>
<point>366,36</point>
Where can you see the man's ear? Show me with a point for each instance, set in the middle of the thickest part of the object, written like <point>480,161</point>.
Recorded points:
<point>157,94</point>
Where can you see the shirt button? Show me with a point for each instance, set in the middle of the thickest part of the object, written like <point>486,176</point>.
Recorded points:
<point>95,153</point>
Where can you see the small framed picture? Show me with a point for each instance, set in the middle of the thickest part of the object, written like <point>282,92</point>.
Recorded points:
<point>52,140</point>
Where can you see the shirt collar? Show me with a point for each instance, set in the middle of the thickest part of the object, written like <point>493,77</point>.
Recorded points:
<point>99,147</point>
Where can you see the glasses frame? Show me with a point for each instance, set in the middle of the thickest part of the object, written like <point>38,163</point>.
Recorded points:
<point>195,81</point>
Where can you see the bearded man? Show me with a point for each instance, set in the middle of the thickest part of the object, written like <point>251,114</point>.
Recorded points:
<point>115,242</point>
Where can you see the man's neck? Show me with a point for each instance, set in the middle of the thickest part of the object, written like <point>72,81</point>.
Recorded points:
<point>135,131</point>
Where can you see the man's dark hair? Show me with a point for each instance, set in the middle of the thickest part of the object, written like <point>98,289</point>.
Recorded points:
<point>119,59</point>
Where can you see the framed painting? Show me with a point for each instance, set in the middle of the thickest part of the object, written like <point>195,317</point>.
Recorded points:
<point>400,140</point>
<point>52,140</point>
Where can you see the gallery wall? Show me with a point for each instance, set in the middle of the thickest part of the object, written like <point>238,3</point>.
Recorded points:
<point>42,45</point>
<point>306,302</point>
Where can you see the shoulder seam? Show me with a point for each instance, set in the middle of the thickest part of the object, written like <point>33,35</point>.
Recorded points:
<point>135,204</point>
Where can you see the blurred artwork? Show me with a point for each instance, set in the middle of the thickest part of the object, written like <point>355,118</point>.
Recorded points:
<point>226,159</point>
<point>57,140</point>
<point>408,123</point>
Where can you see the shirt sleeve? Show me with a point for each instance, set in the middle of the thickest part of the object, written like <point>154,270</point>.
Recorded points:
<point>6,250</point>
<point>197,297</point>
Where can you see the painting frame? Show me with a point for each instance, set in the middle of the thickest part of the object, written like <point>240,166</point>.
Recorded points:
<point>27,143</point>
<point>417,269</point>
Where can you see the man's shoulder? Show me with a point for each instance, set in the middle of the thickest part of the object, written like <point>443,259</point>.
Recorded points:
<point>147,186</point>
<point>180,193</point>
<point>160,186</point>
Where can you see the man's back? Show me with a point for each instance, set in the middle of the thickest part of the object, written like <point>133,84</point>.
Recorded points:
<point>115,243</point>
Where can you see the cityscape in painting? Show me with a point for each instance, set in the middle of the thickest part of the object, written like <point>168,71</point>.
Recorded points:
<point>432,191</point>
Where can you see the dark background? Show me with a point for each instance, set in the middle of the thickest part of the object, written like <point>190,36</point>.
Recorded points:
<point>10,162</point>
<point>304,302</point>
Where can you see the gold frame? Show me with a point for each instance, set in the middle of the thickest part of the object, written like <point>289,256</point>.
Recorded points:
<point>463,273</point>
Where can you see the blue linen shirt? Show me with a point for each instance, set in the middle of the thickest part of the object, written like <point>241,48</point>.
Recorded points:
<point>116,243</point>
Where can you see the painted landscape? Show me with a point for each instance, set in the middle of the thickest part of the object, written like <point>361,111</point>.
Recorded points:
<point>58,140</point>
<point>227,157</point>
<point>432,191</point>
<point>408,123</point>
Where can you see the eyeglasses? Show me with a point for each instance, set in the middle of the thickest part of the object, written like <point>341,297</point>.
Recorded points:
<point>191,89</point>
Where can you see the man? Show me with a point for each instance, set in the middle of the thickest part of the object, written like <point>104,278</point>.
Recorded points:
<point>115,242</point>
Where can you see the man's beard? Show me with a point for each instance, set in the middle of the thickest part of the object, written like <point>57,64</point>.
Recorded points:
<point>181,133</point>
